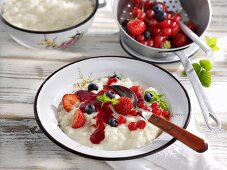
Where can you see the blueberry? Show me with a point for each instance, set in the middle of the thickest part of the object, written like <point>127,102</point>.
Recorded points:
<point>89,109</point>
<point>148,97</point>
<point>110,94</point>
<point>93,86</point>
<point>147,35</point>
<point>160,15</point>
<point>113,122</point>
<point>157,7</point>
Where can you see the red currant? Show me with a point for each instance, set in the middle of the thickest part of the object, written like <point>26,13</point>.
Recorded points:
<point>166,32</point>
<point>148,4</point>
<point>121,120</point>
<point>141,104</point>
<point>150,14</point>
<point>156,111</point>
<point>144,42</point>
<point>156,31</point>
<point>138,91</point>
<point>132,126</point>
<point>141,124</point>
<point>152,23</point>
<point>164,23</point>
<point>141,16</point>
<point>145,107</point>
<point>150,43</point>
<point>140,38</point>
<point>172,24</point>
<point>154,105</point>
<point>175,30</point>
<point>137,2</point>
<point>191,25</point>
<point>133,112</point>
<point>136,11</point>
<point>158,41</point>
<point>176,18</point>
<point>165,113</point>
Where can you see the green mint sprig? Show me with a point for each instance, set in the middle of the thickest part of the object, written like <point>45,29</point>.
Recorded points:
<point>212,43</point>
<point>104,99</point>
<point>202,70</point>
<point>157,98</point>
<point>167,45</point>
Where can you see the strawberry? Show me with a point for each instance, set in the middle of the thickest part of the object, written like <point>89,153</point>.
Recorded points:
<point>138,91</point>
<point>180,40</point>
<point>124,106</point>
<point>79,119</point>
<point>136,27</point>
<point>69,101</point>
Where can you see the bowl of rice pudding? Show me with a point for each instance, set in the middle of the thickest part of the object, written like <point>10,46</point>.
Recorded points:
<point>50,24</point>
<point>75,109</point>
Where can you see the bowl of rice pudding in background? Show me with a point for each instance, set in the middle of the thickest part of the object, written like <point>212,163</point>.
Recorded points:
<point>119,141</point>
<point>50,24</point>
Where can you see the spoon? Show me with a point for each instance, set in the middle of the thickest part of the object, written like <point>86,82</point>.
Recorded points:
<point>194,142</point>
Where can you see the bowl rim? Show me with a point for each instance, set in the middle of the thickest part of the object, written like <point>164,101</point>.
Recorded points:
<point>53,31</point>
<point>98,157</point>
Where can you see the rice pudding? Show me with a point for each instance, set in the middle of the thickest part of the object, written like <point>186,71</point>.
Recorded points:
<point>98,117</point>
<point>46,15</point>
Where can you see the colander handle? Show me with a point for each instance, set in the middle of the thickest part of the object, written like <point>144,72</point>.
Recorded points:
<point>207,110</point>
<point>196,39</point>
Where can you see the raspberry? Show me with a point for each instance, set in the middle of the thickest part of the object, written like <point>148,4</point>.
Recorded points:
<point>136,27</point>
<point>132,126</point>
<point>121,120</point>
<point>141,124</point>
<point>124,106</point>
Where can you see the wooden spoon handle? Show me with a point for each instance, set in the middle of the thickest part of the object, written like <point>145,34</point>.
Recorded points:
<point>194,142</point>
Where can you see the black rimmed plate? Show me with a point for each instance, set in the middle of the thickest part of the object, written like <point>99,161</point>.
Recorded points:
<point>60,82</point>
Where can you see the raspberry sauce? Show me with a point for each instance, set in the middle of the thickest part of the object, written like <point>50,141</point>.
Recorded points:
<point>104,113</point>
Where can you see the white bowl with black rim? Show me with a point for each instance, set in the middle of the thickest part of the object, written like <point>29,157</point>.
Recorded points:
<point>61,81</point>
<point>54,39</point>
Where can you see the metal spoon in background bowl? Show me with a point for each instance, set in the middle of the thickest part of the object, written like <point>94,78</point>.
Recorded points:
<point>194,142</point>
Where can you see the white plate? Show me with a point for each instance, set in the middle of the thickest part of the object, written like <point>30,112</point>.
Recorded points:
<point>60,82</point>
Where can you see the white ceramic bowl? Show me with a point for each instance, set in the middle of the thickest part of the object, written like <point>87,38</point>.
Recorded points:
<point>60,82</point>
<point>58,39</point>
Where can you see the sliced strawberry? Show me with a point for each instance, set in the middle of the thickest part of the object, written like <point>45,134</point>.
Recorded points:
<point>124,106</point>
<point>79,119</point>
<point>69,101</point>
<point>136,27</point>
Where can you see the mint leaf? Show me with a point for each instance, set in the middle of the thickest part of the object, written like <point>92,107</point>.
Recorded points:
<point>212,43</point>
<point>205,78</point>
<point>196,67</point>
<point>163,105</point>
<point>205,64</point>
<point>157,98</point>
<point>104,98</point>
<point>202,70</point>
<point>167,45</point>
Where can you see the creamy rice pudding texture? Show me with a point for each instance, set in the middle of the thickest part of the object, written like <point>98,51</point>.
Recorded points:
<point>116,138</point>
<point>46,15</point>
